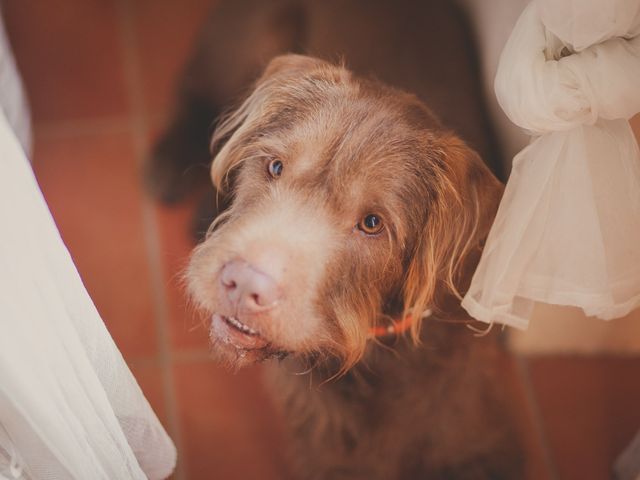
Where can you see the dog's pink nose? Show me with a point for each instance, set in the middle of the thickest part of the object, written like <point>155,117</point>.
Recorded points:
<point>248,288</point>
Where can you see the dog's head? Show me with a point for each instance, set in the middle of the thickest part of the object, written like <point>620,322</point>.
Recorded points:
<point>351,204</point>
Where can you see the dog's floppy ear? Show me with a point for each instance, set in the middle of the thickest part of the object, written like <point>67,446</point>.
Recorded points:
<point>464,196</point>
<point>263,100</point>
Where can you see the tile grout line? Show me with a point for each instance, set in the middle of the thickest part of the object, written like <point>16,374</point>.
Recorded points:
<point>140,128</point>
<point>192,356</point>
<point>88,126</point>
<point>189,355</point>
<point>536,416</point>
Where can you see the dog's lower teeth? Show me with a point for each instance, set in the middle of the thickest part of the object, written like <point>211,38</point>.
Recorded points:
<point>241,326</point>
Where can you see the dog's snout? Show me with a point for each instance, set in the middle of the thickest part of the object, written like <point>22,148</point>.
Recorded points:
<point>248,288</point>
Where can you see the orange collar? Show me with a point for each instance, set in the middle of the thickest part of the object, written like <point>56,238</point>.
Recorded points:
<point>395,328</point>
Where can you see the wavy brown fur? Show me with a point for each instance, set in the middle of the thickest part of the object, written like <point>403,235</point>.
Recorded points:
<point>427,406</point>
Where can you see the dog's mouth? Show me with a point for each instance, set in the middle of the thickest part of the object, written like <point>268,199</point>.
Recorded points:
<point>238,325</point>
<point>232,330</point>
<point>244,342</point>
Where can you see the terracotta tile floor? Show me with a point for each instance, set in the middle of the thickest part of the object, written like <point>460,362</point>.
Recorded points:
<point>99,74</point>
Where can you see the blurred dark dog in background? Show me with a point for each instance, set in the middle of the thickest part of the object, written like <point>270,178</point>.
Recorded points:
<point>345,212</point>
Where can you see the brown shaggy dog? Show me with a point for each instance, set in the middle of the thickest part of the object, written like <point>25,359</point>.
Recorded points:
<point>351,209</point>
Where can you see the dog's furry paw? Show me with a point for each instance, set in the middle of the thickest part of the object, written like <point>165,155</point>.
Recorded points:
<point>210,205</point>
<point>178,165</point>
<point>170,174</point>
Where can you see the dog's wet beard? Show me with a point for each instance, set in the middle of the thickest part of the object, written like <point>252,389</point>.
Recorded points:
<point>235,358</point>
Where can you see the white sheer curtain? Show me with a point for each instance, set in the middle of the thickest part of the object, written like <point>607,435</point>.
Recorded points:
<point>69,406</point>
<point>568,228</point>
<point>13,101</point>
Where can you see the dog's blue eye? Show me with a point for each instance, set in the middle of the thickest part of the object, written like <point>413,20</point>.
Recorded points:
<point>371,224</point>
<point>275,168</point>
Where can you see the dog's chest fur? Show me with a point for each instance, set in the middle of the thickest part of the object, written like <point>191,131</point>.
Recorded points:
<point>403,412</point>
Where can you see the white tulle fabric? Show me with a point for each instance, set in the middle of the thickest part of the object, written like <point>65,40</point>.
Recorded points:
<point>13,101</point>
<point>568,228</point>
<point>69,406</point>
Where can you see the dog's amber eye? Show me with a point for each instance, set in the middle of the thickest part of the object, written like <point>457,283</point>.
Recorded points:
<point>275,168</point>
<point>371,224</point>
